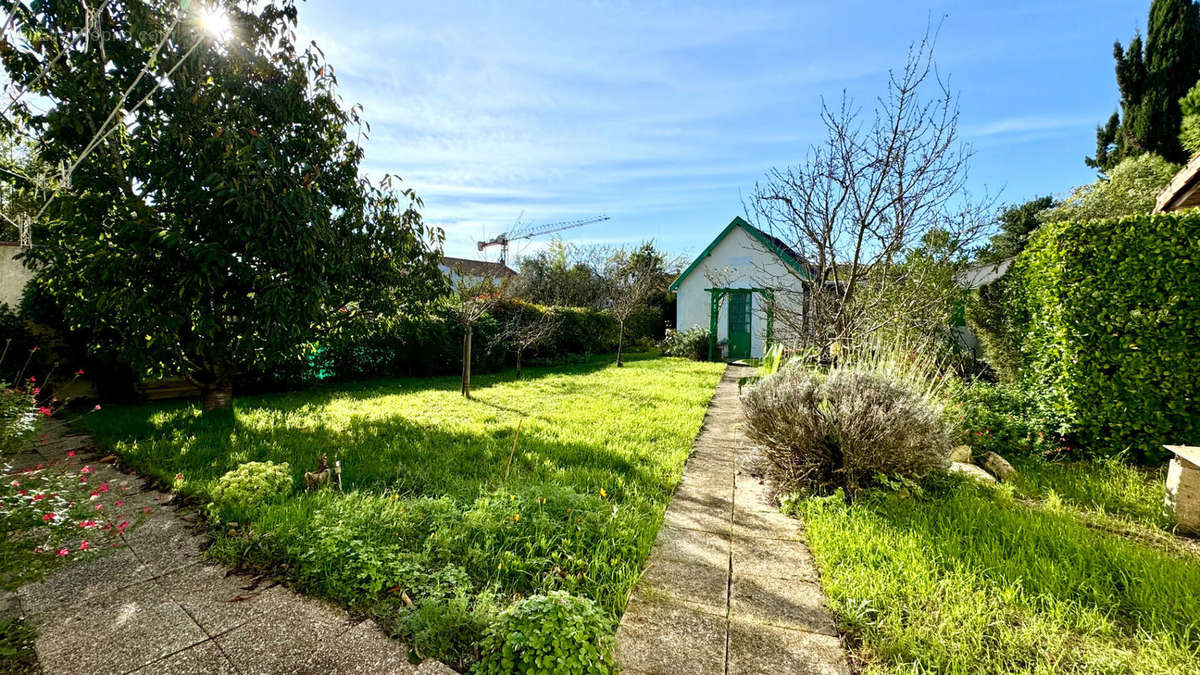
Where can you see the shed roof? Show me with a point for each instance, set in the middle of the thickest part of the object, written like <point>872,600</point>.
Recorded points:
<point>771,243</point>
<point>478,268</point>
<point>1183,191</point>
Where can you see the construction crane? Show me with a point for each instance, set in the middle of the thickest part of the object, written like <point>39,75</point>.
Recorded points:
<point>518,233</point>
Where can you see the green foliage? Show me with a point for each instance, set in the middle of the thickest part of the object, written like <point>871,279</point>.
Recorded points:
<point>965,578</point>
<point>18,419</point>
<point>429,342</point>
<point>549,634</point>
<point>1109,310</point>
<point>251,484</point>
<point>1189,132</point>
<point>1005,419</point>
<point>17,653</point>
<point>1015,223</point>
<point>221,222</point>
<point>1151,81</point>
<point>689,344</point>
<point>1130,189</point>
<point>990,320</point>
<point>450,629</point>
<point>772,360</point>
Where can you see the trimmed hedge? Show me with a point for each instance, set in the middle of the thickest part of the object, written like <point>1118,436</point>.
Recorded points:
<point>1110,314</point>
<point>430,343</point>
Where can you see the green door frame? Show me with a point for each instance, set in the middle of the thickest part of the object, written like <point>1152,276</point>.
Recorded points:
<point>714,309</point>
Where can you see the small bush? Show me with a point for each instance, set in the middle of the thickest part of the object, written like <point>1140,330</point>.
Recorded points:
<point>821,432</point>
<point>251,484</point>
<point>1005,419</point>
<point>689,344</point>
<point>448,629</point>
<point>553,633</point>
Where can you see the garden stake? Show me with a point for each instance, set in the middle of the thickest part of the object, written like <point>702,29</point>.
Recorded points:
<point>514,449</point>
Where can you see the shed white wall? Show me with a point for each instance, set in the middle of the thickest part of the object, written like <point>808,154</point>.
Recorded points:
<point>13,276</point>
<point>754,266</point>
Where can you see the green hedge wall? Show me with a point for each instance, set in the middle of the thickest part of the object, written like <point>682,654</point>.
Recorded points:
<point>430,343</point>
<point>1110,314</point>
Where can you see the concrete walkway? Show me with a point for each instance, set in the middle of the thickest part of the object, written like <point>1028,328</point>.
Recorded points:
<point>730,586</point>
<point>153,605</point>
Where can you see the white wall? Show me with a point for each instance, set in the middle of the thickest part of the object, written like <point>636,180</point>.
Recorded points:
<point>13,276</point>
<point>754,266</point>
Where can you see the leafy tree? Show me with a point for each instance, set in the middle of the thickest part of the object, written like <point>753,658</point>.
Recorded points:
<point>1130,189</point>
<point>1015,223</point>
<point>211,216</point>
<point>563,274</point>
<point>470,302</point>
<point>1189,132</point>
<point>1151,79</point>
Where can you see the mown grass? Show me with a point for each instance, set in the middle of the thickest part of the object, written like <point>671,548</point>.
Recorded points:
<point>964,578</point>
<point>426,514</point>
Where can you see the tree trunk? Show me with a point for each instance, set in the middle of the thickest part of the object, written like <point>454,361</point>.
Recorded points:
<point>217,394</point>
<point>466,371</point>
<point>620,342</point>
<point>519,363</point>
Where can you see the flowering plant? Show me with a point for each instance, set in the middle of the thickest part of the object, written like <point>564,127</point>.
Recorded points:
<point>59,511</point>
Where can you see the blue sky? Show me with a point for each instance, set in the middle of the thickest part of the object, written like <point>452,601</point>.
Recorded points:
<point>664,114</point>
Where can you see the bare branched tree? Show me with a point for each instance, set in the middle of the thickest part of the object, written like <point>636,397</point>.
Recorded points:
<point>881,186</point>
<point>630,278</point>
<point>472,298</point>
<point>526,327</point>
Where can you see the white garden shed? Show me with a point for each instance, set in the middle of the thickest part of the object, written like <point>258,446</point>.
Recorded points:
<point>734,287</point>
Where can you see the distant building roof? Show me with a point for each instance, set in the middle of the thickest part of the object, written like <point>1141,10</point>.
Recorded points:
<point>978,274</point>
<point>477,268</point>
<point>1183,191</point>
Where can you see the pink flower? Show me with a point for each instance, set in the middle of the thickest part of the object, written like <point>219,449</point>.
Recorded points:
<point>86,469</point>
<point>97,407</point>
<point>39,497</point>
<point>16,484</point>
<point>45,412</point>
<point>79,372</point>
<point>47,516</point>
<point>83,546</point>
<point>32,378</point>
<point>35,348</point>
<point>70,453</point>
<point>146,510</point>
<point>37,391</point>
<point>178,476</point>
<point>99,507</point>
<point>62,552</point>
<point>21,492</point>
<point>104,487</point>
<point>121,528</point>
<point>120,502</point>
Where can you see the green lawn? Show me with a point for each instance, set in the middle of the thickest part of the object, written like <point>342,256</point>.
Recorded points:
<point>426,513</point>
<point>1070,569</point>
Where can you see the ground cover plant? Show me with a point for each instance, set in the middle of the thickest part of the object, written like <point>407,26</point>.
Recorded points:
<point>438,529</point>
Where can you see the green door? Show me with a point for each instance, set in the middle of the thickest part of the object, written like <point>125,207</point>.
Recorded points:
<point>740,308</point>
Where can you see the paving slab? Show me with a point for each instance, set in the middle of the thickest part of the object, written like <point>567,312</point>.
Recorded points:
<point>201,659</point>
<point>280,641</point>
<point>755,649</point>
<point>362,649</point>
<point>730,585</point>
<point>666,638</point>
<point>78,583</point>
<point>220,600</point>
<point>117,632</point>
<point>799,605</point>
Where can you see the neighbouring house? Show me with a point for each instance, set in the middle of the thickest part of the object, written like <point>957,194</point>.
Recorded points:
<point>14,275</point>
<point>1183,191</point>
<point>734,287</point>
<point>474,271</point>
